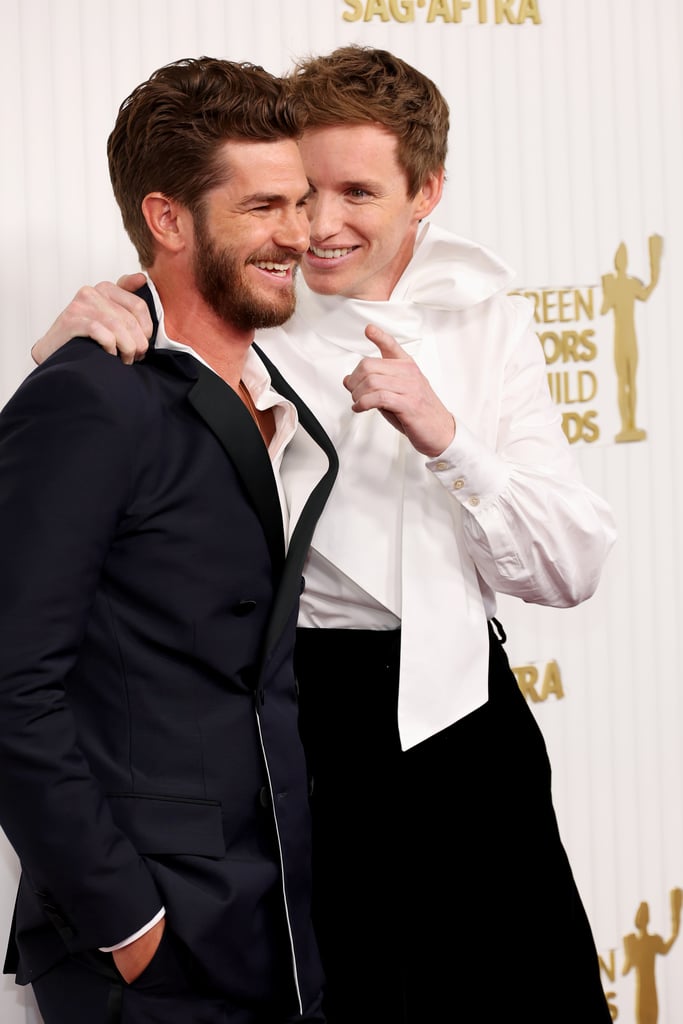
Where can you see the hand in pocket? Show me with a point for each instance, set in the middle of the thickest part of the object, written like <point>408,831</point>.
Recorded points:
<point>131,960</point>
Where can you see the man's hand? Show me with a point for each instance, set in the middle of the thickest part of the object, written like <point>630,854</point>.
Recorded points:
<point>396,386</point>
<point>132,959</point>
<point>110,314</point>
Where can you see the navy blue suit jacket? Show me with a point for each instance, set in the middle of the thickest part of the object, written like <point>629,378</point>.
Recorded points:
<point>149,742</point>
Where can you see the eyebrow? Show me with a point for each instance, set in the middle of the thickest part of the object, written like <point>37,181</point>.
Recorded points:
<point>366,184</point>
<point>271,197</point>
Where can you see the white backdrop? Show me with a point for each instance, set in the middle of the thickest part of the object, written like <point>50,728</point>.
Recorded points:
<point>566,140</point>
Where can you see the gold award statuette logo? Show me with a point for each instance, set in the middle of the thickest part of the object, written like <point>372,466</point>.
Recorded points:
<point>587,334</point>
<point>641,948</point>
<point>620,292</point>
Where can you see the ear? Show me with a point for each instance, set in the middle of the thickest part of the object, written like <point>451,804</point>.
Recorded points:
<point>167,220</point>
<point>430,194</point>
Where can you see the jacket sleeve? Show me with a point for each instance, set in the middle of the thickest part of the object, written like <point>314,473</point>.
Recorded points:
<point>532,527</point>
<point>66,450</point>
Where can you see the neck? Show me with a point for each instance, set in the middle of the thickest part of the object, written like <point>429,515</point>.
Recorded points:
<point>189,320</point>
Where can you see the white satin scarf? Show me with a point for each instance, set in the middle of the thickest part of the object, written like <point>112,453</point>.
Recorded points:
<point>389,525</point>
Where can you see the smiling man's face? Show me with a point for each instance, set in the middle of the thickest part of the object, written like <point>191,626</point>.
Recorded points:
<point>251,235</point>
<point>363,222</point>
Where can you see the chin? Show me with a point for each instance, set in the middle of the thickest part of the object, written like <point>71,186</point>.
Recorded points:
<point>323,283</point>
<point>275,315</point>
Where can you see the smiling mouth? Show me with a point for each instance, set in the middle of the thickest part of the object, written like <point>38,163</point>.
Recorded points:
<point>278,269</point>
<point>331,254</point>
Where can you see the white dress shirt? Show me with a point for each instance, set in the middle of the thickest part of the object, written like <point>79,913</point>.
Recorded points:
<point>427,542</point>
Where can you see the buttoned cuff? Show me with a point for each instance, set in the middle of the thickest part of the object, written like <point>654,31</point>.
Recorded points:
<point>471,472</point>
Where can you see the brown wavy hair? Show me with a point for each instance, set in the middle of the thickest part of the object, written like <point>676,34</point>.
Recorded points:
<point>170,131</point>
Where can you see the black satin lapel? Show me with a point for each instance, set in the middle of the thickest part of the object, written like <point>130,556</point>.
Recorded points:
<point>303,532</point>
<point>224,412</point>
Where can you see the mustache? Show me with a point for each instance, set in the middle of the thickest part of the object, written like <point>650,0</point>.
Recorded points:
<point>277,256</point>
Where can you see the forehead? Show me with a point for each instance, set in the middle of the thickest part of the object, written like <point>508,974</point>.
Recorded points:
<point>351,148</point>
<point>264,167</point>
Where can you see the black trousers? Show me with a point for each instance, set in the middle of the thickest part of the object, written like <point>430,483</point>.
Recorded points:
<point>442,891</point>
<point>87,989</point>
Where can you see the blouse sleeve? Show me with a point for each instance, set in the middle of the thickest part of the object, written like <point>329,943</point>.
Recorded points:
<point>532,527</point>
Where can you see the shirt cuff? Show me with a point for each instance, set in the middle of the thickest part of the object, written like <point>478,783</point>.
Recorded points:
<point>131,938</point>
<point>472,472</point>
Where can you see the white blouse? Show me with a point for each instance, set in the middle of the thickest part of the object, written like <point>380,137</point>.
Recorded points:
<point>428,542</point>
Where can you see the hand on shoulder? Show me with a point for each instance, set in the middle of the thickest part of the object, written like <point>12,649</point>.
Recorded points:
<point>110,314</point>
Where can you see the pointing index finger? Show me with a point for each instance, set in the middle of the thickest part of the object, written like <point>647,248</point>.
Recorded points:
<point>388,347</point>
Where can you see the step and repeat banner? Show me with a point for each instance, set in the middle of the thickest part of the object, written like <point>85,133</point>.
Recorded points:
<point>566,158</point>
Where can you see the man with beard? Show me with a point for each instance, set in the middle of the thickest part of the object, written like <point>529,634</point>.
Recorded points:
<point>153,780</point>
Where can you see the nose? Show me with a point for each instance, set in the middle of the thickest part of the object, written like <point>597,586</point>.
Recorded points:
<point>324,217</point>
<point>293,230</point>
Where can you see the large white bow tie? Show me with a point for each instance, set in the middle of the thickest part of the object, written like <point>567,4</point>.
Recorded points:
<point>445,273</point>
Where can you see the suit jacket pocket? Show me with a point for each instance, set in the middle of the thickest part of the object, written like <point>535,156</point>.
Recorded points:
<point>170,826</point>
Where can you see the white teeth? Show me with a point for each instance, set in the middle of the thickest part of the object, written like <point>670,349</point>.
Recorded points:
<point>330,254</point>
<point>279,268</point>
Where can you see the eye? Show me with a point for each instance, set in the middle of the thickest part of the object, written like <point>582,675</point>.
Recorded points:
<point>358,193</point>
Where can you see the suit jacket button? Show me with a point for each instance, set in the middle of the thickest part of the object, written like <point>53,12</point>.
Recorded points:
<point>243,608</point>
<point>264,797</point>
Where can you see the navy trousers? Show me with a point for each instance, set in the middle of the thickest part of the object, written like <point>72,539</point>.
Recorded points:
<point>87,989</point>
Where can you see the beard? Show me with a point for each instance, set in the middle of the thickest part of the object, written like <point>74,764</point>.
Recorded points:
<point>221,282</point>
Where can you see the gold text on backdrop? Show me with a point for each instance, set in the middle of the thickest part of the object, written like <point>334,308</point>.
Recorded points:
<point>454,12</point>
<point>538,686</point>
<point>568,344</point>
<point>574,330</point>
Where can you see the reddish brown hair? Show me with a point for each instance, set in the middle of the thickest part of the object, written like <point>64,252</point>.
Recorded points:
<point>358,84</point>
